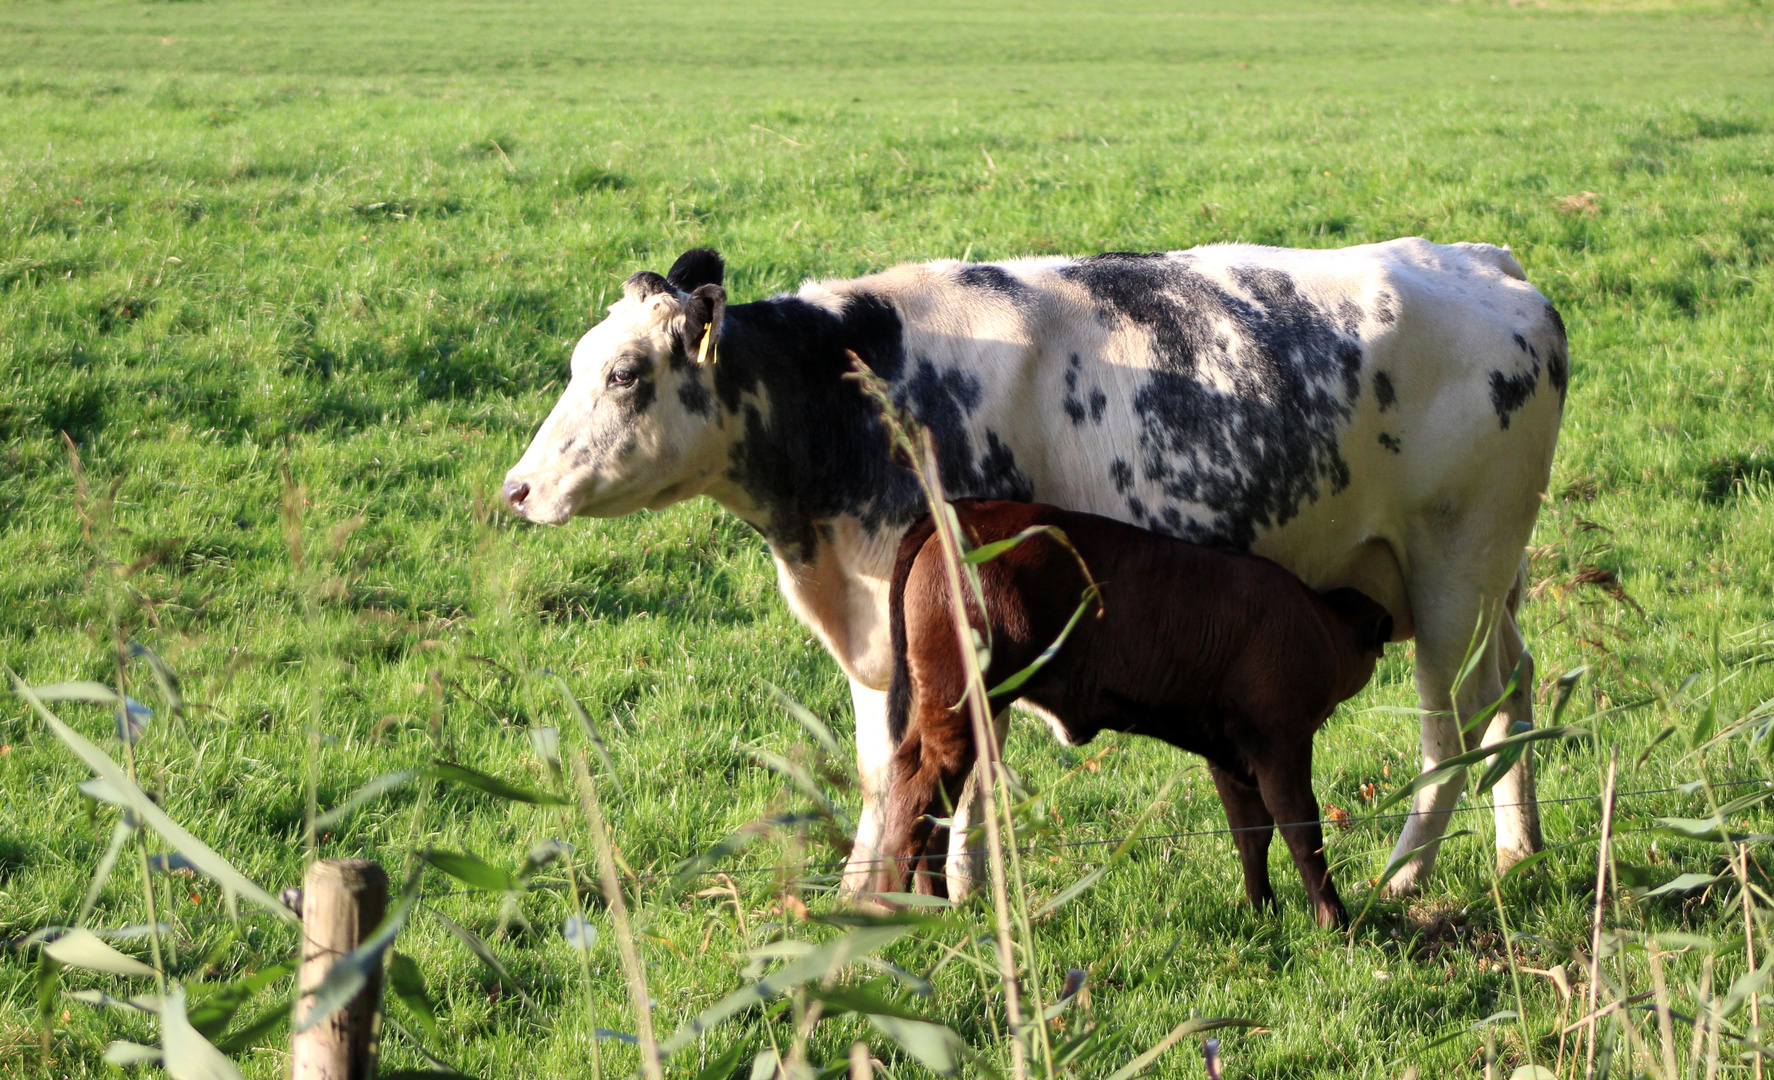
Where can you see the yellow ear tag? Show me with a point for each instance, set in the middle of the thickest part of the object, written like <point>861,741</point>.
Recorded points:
<point>704,354</point>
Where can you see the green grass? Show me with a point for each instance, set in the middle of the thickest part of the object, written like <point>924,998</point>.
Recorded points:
<point>349,247</point>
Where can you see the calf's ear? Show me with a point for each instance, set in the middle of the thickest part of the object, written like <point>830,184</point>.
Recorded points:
<point>696,268</point>
<point>702,322</point>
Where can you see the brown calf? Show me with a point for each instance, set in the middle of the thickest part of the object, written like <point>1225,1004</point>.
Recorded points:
<point>1225,655</point>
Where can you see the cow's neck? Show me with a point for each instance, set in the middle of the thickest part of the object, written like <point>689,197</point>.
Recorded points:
<point>806,449</point>
<point>808,465</point>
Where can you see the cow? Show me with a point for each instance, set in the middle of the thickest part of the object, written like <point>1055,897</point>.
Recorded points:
<point>1380,417</point>
<point>1225,655</point>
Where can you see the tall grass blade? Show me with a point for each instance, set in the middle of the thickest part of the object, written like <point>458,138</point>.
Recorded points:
<point>1083,884</point>
<point>473,871</point>
<point>590,730</point>
<point>490,785</point>
<point>123,1054</point>
<point>213,1012</point>
<point>199,853</point>
<point>1481,717</point>
<point>382,785</point>
<point>812,724</point>
<point>188,1055</point>
<point>1561,693</point>
<point>1451,767</point>
<point>408,985</point>
<point>120,834</point>
<point>98,999</point>
<point>164,677</point>
<point>486,956</point>
<point>1177,1034</point>
<point>802,778</point>
<point>935,1046</point>
<point>817,963</point>
<point>1391,870</point>
<point>634,973</point>
<point>82,690</point>
<point>82,948</point>
<point>263,1023</point>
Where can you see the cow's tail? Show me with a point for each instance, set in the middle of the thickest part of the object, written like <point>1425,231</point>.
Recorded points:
<point>899,690</point>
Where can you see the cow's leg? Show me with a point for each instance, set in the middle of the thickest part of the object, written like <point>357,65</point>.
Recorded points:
<point>1285,780</point>
<point>1252,829</point>
<point>1517,815</point>
<point>966,862</point>
<point>1445,626</point>
<point>874,762</point>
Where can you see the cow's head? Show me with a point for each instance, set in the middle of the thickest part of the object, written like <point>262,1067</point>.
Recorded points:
<point>636,426</point>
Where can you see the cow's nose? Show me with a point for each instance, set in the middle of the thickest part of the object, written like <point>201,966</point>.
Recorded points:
<point>516,491</point>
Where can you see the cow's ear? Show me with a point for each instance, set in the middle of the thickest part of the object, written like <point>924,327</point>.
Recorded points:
<point>702,322</point>
<point>696,268</point>
<point>644,284</point>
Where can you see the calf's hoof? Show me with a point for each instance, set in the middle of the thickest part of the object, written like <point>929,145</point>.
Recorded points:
<point>1332,915</point>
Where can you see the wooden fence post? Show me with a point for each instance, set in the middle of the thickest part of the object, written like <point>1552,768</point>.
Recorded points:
<point>343,900</point>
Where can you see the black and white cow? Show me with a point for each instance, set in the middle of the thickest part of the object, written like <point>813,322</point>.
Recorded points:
<point>1381,417</point>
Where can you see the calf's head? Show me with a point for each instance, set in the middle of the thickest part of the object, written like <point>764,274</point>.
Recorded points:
<point>1367,627</point>
<point>636,426</point>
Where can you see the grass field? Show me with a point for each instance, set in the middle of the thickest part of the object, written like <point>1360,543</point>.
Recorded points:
<point>313,270</point>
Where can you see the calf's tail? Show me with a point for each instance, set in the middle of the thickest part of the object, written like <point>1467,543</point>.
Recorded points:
<point>899,690</point>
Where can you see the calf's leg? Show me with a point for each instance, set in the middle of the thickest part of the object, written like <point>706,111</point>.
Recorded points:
<point>1286,784</point>
<point>1252,829</point>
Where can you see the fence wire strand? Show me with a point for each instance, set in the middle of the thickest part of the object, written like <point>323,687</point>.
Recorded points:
<point>1189,834</point>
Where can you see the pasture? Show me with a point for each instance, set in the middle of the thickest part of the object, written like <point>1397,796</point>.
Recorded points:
<point>299,280</point>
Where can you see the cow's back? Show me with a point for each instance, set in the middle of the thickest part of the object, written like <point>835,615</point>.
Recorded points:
<point>1302,404</point>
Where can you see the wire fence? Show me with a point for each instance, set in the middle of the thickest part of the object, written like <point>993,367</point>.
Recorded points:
<point>831,870</point>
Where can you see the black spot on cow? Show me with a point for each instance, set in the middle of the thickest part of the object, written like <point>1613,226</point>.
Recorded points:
<point>1074,408</point>
<point>1511,392</point>
<point>1385,395</point>
<point>1385,308</point>
<point>694,396</point>
<point>1391,442</point>
<point>1173,521</point>
<point>941,400</point>
<point>992,279</point>
<point>1122,474</point>
<point>641,398</point>
<point>822,452</point>
<point>1521,343</point>
<point>1558,368</point>
<point>1251,455</point>
<point>1349,312</point>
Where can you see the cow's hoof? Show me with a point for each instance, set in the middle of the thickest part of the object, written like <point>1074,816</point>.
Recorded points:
<point>1404,884</point>
<point>1507,857</point>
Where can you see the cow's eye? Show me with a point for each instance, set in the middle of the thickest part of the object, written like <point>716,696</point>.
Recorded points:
<point>623,376</point>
